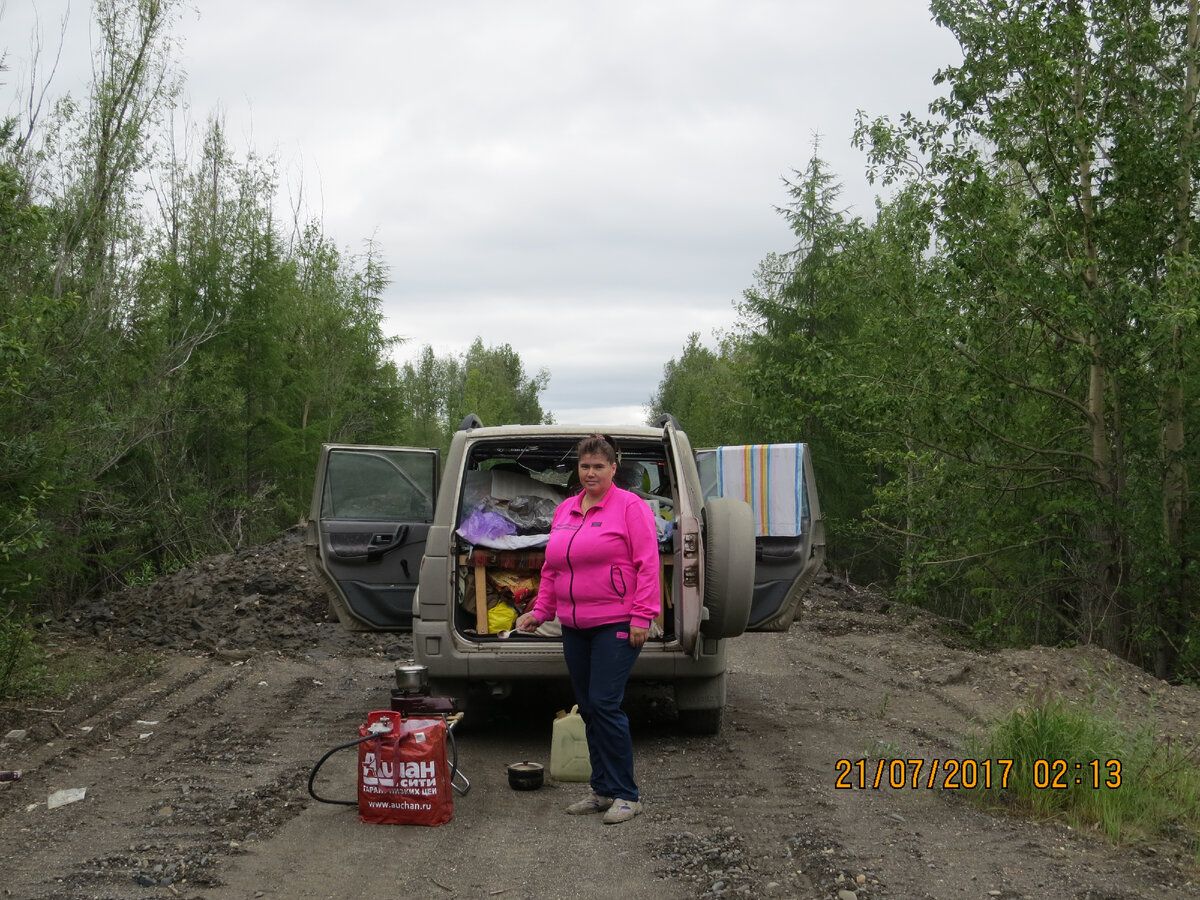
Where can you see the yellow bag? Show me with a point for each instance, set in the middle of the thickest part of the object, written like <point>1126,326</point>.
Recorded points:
<point>501,618</point>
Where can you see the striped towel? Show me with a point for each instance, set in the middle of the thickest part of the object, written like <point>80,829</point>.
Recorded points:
<point>770,477</point>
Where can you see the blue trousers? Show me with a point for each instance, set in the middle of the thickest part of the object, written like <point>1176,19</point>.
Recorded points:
<point>599,661</point>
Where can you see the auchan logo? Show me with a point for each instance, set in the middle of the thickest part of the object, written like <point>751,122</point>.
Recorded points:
<point>387,774</point>
<point>376,772</point>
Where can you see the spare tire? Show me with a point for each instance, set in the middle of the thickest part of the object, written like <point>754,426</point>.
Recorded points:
<point>728,567</point>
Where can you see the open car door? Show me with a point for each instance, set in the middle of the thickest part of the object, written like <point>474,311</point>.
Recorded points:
<point>777,481</point>
<point>367,528</point>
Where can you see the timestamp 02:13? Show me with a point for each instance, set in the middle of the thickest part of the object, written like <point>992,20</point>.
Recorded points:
<point>1060,774</point>
<point>969,774</point>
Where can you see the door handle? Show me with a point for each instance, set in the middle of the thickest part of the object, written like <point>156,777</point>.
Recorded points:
<point>379,549</point>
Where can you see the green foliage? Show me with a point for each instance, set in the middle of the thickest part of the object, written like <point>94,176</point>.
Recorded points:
<point>16,648</point>
<point>1092,772</point>
<point>167,370</point>
<point>783,376</point>
<point>997,375</point>
<point>490,382</point>
<point>708,394</point>
<point>1057,426</point>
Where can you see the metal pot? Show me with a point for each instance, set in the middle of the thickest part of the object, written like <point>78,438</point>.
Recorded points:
<point>526,776</point>
<point>412,677</point>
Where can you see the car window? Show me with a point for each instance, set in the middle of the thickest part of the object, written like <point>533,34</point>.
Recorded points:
<point>379,484</point>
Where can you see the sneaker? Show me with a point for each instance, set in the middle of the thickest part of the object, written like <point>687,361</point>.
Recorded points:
<point>593,804</point>
<point>621,811</point>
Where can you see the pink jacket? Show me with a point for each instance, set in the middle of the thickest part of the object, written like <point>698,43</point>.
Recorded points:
<point>601,566</point>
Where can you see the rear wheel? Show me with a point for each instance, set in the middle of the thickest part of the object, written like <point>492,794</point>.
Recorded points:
<point>701,703</point>
<point>701,721</point>
<point>728,567</point>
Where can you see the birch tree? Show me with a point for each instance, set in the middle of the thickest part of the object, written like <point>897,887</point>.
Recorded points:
<point>1061,165</point>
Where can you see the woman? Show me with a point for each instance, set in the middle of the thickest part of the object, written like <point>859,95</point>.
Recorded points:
<point>601,579</point>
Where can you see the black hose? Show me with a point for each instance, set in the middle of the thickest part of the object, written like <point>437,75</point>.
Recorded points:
<point>313,776</point>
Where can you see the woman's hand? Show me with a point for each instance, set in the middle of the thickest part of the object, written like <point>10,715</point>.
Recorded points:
<point>526,622</point>
<point>637,636</point>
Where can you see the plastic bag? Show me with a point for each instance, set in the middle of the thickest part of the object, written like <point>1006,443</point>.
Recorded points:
<point>404,776</point>
<point>484,525</point>
<point>531,515</point>
<point>501,618</point>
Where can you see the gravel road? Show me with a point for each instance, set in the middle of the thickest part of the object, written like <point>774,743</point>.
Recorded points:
<point>195,766</point>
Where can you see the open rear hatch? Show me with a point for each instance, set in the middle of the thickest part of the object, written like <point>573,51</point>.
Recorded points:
<point>510,489</point>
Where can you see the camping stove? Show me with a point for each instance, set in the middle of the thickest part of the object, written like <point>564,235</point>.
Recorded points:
<point>411,695</point>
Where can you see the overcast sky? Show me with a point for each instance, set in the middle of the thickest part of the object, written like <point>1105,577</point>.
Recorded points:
<point>587,182</point>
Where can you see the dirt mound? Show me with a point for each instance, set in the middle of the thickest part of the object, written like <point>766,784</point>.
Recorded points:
<point>261,598</point>
<point>936,654</point>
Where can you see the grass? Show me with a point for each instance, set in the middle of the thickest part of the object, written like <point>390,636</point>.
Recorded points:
<point>49,672</point>
<point>66,672</point>
<point>16,650</point>
<point>1094,773</point>
<point>878,749</point>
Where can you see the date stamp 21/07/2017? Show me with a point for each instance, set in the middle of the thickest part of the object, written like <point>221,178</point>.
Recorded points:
<point>969,774</point>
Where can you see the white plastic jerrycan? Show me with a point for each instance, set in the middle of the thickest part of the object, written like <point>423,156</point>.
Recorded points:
<point>569,760</point>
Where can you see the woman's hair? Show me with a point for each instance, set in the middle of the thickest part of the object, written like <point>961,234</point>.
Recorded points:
<point>598,445</point>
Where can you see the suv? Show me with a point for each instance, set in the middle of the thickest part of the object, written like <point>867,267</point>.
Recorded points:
<point>453,554</point>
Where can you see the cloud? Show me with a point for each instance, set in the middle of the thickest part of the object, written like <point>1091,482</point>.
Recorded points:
<point>588,183</point>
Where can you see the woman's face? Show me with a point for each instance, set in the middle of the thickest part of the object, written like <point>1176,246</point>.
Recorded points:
<point>596,473</point>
